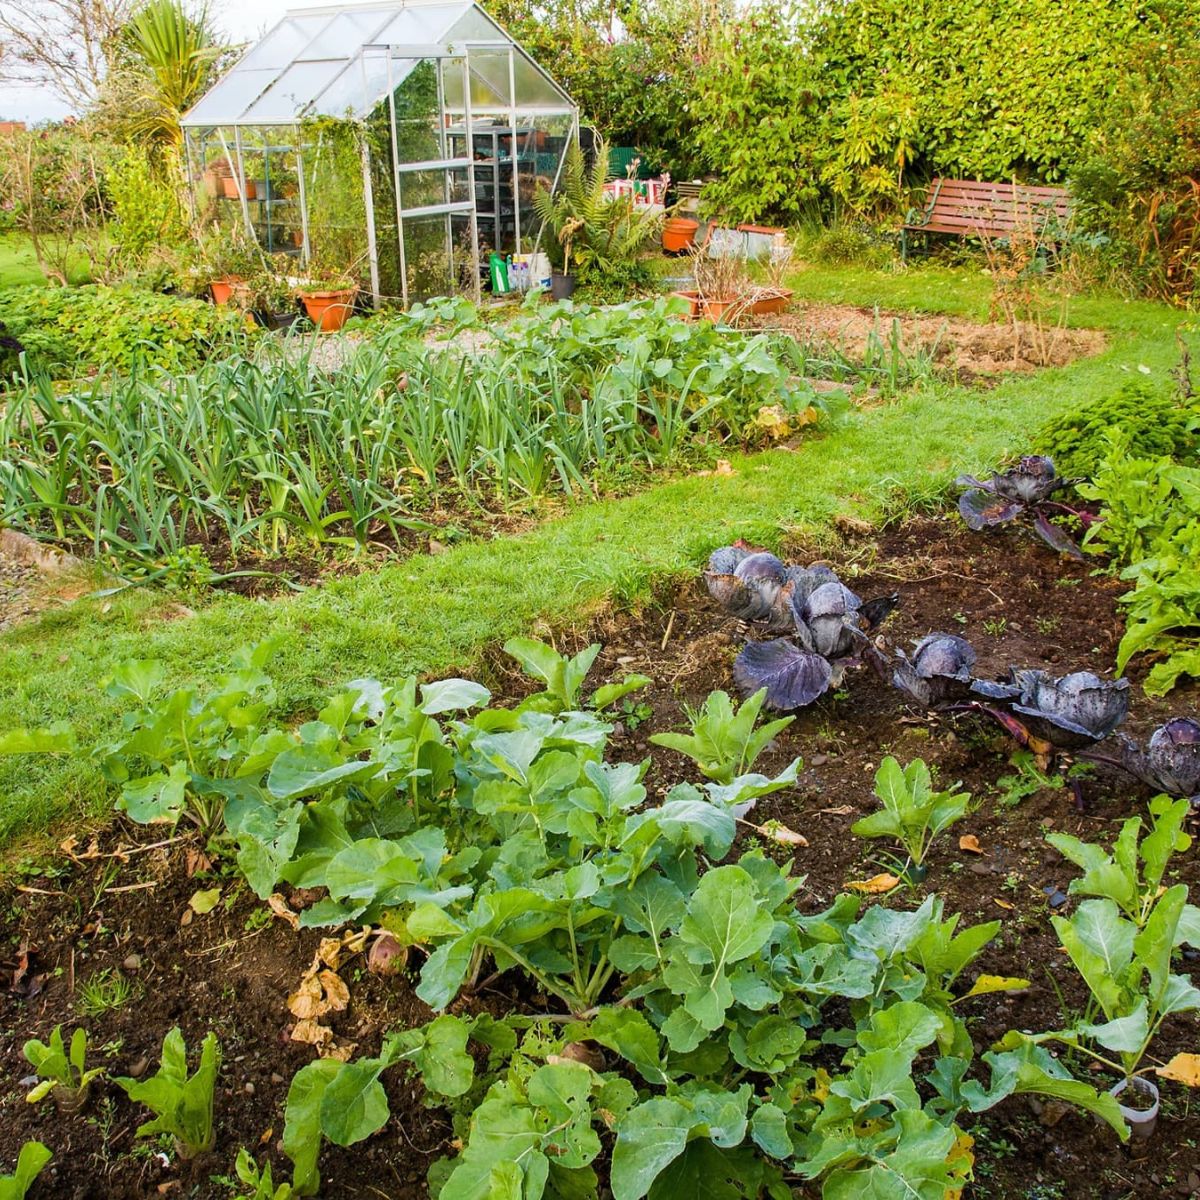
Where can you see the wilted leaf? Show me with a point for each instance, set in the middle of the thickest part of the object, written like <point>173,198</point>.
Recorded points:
<point>1183,1068</point>
<point>320,992</point>
<point>311,1034</point>
<point>279,906</point>
<point>986,984</point>
<point>876,885</point>
<point>970,843</point>
<point>1004,904</point>
<point>205,901</point>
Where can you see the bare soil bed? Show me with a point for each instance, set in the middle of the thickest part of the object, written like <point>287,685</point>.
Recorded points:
<point>122,905</point>
<point>967,350</point>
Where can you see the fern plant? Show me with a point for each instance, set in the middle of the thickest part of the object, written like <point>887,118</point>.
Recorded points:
<point>597,232</point>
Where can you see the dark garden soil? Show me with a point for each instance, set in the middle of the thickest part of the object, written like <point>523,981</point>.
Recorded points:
<point>120,903</point>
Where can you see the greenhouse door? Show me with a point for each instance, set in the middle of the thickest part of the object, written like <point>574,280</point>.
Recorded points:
<point>434,187</point>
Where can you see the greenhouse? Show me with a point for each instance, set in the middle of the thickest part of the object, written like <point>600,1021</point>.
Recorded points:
<point>400,143</point>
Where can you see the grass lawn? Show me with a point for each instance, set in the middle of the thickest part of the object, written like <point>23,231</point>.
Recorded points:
<point>437,614</point>
<point>18,265</point>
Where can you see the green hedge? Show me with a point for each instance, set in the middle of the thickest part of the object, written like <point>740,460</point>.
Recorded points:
<point>72,330</point>
<point>853,105</point>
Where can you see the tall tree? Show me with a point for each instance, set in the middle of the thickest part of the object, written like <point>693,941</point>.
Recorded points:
<point>62,45</point>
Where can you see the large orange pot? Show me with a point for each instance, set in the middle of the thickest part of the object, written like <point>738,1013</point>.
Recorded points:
<point>222,289</point>
<point>679,234</point>
<point>329,311</point>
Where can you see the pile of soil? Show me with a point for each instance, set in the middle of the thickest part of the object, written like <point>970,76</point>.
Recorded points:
<point>122,905</point>
<point>966,350</point>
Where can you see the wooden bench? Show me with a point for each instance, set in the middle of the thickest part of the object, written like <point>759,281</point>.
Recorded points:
<point>964,208</point>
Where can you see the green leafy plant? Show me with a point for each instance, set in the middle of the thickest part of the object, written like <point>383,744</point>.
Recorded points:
<point>31,1162</point>
<point>1155,423</point>
<point>345,1102</point>
<point>586,229</point>
<point>564,677</point>
<point>913,813</point>
<point>1121,940</point>
<point>182,1103</point>
<point>723,741</point>
<point>62,1072</point>
<point>1150,521</point>
<point>260,1181</point>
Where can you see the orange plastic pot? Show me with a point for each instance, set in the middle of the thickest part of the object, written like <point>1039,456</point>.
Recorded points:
<point>679,234</point>
<point>229,187</point>
<point>329,311</point>
<point>222,289</point>
<point>775,303</point>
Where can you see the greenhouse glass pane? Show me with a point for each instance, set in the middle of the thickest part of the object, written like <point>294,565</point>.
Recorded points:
<point>293,91</point>
<point>229,99</point>
<point>489,78</point>
<point>533,88</point>
<point>420,25</point>
<point>475,26</point>
<point>344,35</point>
<point>283,43</point>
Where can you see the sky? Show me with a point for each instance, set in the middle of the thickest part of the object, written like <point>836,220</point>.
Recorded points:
<point>240,20</point>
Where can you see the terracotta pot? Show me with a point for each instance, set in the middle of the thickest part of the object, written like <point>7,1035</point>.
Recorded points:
<point>693,299</point>
<point>329,311</point>
<point>716,311</point>
<point>229,187</point>
<point>679,234</point>
<point>222,289</point>
<point>775,303</point>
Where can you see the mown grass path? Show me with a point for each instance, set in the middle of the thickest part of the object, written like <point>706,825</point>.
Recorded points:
<point>436,614</point>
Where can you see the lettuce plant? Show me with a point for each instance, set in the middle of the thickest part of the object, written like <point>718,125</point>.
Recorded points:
<point>912,813</point>
<point>1121,940</point>
<point>62,1072</point>
<point>723,741</point>
<point>31,1162</point>
<point>182,1103</point>
<point>259,1180</point>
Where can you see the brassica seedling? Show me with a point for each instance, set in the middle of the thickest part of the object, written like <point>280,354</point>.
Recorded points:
<point>182,1104</point>
<point>260,1181</point>
<point>61,1071</point>
<point>723,742</point>
<point>913,813</point>
<point>30,1163</point>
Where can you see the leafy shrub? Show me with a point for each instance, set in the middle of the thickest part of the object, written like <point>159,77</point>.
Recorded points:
<point>849,104</point>
<point>1153,423</point>
<point>1151,522</point>
<point>847,244</point>
<point>1138,178</point>
<point>65,330</point>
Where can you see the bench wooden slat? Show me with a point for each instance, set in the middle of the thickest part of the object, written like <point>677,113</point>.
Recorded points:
<point>967,207</point>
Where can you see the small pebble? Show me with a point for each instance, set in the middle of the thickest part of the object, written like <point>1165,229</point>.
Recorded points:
<point>276,1077</point>
<point>132,962</point>
<point>248,1088</point>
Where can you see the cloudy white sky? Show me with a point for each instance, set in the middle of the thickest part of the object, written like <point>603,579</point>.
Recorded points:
<point>241,20</point>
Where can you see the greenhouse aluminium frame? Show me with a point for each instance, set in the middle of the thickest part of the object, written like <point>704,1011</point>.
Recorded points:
<point>454,126</point>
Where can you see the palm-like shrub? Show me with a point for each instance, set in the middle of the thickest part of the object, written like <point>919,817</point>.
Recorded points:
<point>599,235</point>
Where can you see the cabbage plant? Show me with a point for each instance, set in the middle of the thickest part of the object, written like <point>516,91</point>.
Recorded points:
<point>1171,760</point>
<point>828,624</point>
<point>938,672</point>
<point>1068,713</point>
<point>1022,491</point>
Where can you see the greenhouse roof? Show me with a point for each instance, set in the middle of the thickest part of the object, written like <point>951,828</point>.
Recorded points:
<point>341,61</point>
